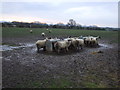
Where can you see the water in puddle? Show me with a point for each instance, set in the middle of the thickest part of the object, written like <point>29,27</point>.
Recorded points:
<point>27,44</point>
<point>103,46</point>
<point>7,47</point>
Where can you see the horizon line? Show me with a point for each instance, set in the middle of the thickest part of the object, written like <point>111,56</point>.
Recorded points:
<point>57,23</point>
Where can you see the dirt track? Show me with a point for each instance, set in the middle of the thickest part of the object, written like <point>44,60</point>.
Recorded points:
<point>24,67</point>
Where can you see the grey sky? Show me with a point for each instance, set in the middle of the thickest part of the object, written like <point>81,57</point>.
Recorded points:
<point>85,13</point>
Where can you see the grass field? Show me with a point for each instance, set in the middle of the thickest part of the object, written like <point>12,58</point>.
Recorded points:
<point>24,32</point>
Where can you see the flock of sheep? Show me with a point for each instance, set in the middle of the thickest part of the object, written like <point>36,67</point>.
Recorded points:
<point>65,44</point>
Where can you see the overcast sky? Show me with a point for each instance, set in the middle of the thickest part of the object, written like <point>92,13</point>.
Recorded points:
<point>85,13</point>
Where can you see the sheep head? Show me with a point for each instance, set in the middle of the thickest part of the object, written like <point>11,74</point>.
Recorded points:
<point>69,42</point>
<point>98,37</point>
<point>43,34</point>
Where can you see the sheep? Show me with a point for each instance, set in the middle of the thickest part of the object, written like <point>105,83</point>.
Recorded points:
<point>87,40</point>
<point>41,44</point>
<point>43,34</point>
<point>74,43</point>
<point>94,41</point>
<point>49,31</point>
<point>91,41</point>
<point>81,37</point>
<point>63,44</point>
<point>31,31</point>
<point>80,43</point>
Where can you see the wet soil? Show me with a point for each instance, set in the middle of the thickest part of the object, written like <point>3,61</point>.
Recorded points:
<point>24,67</point>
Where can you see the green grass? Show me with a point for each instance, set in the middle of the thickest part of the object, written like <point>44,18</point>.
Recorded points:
<point>60,83</point>
<point>93,85</point>
<point>24,32</point>
<point>48,83</point>
<point>93,82</point>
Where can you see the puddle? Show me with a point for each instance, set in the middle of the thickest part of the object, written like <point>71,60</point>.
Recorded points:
<point>98,48</point>
<point>27,44</point>
<point>103,46</point>
<point>7,47</point>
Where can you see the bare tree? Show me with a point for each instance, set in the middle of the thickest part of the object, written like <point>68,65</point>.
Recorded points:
<point>72,22</point>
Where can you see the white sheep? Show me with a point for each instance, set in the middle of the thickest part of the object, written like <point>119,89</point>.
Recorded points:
<point>31,31</point>
<point>41,44</point>
<point>81,37</point>
<point>74,43</point>
<point>49,31</point>
<point>43,34</point>
<point>80,43</point>
<point>87,40</point>
<point>94,41</point>
<point>91,41</point>
<point>64,44</point>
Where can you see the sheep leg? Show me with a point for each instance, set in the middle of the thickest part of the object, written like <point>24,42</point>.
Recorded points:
<point>38,48</point>
<point>96,44</point>
<point>56,47</point>
<point>77,48</point>
<point>44,48</point>
<point>87,43</point>
<point>81,47</point>
<point>58,51</point>
<point>53,46</point>
<point>66,49</point>
<point>91,44</point>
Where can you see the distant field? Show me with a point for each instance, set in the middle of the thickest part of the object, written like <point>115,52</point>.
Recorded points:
<point>24,32</point>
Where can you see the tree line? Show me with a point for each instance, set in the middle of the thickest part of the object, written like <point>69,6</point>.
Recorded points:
<point>70,25</point>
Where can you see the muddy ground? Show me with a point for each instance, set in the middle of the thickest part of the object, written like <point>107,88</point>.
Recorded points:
<point>91,67</point>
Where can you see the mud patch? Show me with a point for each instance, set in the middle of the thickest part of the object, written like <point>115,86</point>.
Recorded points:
<point>81,68</point>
